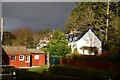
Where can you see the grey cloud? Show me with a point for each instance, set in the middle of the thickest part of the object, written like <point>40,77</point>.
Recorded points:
<point>37,14</point>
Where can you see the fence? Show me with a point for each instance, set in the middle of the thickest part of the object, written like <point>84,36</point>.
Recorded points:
<point>8,72</point>
<point>90,63</point>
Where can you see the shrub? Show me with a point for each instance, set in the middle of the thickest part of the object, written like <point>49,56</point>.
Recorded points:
<point>82,72</point>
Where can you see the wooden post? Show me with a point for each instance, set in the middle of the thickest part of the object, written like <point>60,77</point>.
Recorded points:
<point>48,59</point>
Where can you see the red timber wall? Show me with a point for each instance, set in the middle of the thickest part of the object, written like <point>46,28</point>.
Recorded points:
<point>18,63</point>
<point>37,62</point>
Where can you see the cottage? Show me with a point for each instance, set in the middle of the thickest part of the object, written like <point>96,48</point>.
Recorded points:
<point>19,56</point>
<point>88,43</point>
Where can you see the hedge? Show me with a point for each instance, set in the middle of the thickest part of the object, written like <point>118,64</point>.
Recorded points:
<point>80,72</point>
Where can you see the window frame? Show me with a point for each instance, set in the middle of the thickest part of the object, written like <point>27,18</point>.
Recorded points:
<point>27,58</point>
<point>20,58</point>
<point>12,56</point>
<point>37,57</point>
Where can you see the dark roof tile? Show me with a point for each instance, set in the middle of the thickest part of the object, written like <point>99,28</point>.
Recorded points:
<point>15,50</point>
<point>84,32</point>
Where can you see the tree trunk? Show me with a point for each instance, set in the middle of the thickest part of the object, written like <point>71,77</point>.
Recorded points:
<point>106,37</point>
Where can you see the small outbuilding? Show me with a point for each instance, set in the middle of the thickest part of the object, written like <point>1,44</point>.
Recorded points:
<point>37,57</point>
<point>16,56</point>
<point>19,56</point>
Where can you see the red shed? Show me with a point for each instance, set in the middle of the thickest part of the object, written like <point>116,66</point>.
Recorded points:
<point>37,57</point>
<point>19,56</point>
<point>16,56</point>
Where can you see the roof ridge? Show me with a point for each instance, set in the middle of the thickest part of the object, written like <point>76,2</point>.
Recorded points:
<point>85,31</point>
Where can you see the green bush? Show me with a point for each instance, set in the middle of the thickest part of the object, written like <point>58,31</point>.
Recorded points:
<point>79,72</point>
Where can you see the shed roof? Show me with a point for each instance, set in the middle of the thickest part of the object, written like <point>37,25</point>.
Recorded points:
<point>35,51</point>
<point>14,50</point>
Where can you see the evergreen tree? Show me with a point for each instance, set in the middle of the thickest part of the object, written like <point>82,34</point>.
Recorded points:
<point>94,15</point>
<point>91,15</point>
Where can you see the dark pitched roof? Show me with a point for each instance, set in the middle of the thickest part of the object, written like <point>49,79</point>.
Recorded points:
<point>84,32</point>
<point>14,50</point>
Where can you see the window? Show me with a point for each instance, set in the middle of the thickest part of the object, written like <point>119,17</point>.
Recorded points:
<point>12,57</point>
<point>36,57</point>
<point>27,58</point>
<point>21,57</point>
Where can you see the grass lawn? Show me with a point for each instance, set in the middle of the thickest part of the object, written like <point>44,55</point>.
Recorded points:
<point>39,69</point>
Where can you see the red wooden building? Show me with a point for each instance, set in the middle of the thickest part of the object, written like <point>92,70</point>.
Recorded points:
<point>21,57</point>
<point>37,57</point>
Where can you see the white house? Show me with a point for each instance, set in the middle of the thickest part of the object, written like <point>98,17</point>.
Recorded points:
<point>88,43</point>
<point>43,42</point>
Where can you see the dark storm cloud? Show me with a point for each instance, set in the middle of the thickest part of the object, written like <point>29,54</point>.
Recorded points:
<point>35,15</point>
<point>0,7</point>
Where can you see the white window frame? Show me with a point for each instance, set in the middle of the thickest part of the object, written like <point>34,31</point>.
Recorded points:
<point>28,58</point>
<point>20,58</point>
<point>11,57</point>
<point>37,57</point>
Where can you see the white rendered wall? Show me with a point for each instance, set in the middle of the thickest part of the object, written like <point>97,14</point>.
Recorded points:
<point>91,40</point>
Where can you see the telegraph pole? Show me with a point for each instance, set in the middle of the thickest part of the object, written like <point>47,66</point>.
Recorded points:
<point>2,28</point>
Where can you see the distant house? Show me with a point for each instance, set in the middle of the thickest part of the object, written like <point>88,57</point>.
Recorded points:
<point>43,42</point>
<point>19,56</point>
<point>88,43</point>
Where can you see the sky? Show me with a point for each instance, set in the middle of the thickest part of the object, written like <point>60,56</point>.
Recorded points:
<point>35,15</point>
